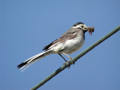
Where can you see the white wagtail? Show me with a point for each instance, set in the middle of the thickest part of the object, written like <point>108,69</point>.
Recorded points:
<point>69,42</point>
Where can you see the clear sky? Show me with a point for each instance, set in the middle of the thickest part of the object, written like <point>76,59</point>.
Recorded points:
<point>28,25</point>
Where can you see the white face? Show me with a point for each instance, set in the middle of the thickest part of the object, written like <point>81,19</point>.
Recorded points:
<point>81,26</point>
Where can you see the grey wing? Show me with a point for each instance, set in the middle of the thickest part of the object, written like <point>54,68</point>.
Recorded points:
<point>47,46</point>
<point>70,34</point>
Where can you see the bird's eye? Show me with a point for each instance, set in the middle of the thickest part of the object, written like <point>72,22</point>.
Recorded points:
<point>82,26</point>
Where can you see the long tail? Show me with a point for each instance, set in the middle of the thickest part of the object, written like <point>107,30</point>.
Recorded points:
<point>33,59</point>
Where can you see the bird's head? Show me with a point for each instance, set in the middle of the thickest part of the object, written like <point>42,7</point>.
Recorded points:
<point>82,26</point>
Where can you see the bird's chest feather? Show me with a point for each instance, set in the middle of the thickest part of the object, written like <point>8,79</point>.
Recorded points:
<point>73,44</point>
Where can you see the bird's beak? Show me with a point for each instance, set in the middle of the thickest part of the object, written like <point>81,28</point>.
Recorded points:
<point>90,30</point>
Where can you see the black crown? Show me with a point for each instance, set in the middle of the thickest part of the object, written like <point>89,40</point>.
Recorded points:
<point>78,23</point>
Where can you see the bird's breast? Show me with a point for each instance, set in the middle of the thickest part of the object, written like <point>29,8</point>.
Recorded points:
<point>72,45</point>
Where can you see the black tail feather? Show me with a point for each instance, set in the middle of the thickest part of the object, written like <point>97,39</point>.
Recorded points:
<point>32,59</point>
<point>21,65</point>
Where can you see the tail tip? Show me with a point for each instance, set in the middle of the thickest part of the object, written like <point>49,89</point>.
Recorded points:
<point>21,65</point>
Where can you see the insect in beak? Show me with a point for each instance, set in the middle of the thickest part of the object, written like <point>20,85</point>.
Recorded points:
<point>90,30</point>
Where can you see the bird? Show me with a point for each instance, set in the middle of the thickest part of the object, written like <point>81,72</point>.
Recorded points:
<point>69,42</point>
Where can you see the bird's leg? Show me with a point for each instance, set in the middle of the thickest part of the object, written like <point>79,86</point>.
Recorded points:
<point>70,58</point>
<point>62,57</point>
<point>67,62</point>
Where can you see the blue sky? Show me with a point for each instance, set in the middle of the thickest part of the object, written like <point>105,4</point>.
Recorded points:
<point>28,25</point>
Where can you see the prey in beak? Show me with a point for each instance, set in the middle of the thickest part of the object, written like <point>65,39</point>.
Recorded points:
<point>90,30</point>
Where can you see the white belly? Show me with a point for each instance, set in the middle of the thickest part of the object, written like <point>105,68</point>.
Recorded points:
<point>68,46</point>
<point>73,45</point>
